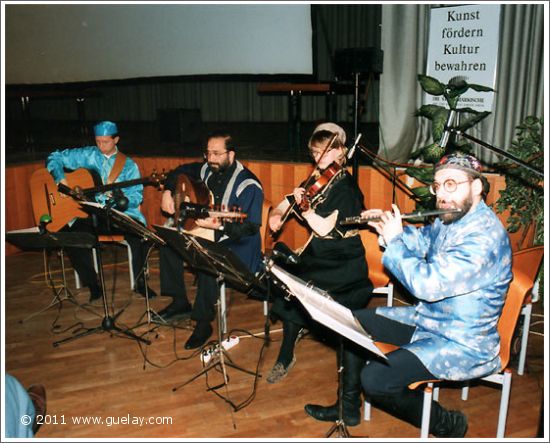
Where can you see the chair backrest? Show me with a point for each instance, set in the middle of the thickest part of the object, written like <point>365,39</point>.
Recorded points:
<point>525,265</point>
<point>264,229</point>
<point>373,254</point>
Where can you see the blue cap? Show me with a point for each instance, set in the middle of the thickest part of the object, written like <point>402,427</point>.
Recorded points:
<point>105,128</point>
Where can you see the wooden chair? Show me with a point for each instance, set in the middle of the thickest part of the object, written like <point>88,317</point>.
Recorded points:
<point>524,269</point>
<point>118,239</point>
<point>377,273</point>
<point>528,263</point>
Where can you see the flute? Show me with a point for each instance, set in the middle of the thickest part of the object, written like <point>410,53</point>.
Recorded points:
<point>357,220</point>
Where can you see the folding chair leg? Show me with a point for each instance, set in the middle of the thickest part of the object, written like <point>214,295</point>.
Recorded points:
<point>526,312</point>
<point>426,411</point>
<point>504,399</point>
<point>366,410</point>
<point>77,280</point>
<point>390,295</point>
<point>130,267</point>
<point>465,391</point>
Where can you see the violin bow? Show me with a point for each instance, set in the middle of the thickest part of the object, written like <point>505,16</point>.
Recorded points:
<point>293,204</point>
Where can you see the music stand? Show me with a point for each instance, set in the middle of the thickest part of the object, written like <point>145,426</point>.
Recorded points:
<point>214,259</point>
<point>335,316</point>
<point>123,222</point>
<point>108,323</point>
<point>40,238</point>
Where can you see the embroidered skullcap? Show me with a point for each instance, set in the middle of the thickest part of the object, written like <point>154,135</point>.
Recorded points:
<point>459,160</point>
<point>105,128</point>
<point>331,127</point>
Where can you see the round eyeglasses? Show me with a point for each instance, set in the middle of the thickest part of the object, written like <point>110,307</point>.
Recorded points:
<point>207,154</point>
<point>449,185</point>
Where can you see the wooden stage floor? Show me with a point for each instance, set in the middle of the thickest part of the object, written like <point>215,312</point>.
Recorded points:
<point>116,382</point>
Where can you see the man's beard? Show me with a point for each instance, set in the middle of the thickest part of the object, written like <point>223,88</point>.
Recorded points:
<point>220,167</point>
<point>451,217</point>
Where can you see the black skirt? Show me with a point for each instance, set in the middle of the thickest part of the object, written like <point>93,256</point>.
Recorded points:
<point>337,266</point>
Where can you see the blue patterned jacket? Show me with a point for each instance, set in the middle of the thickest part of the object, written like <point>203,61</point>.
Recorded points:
<point>460,275</point>
<point>91,158</point>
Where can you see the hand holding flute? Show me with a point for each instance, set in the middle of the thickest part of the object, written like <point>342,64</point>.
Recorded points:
<point>378,219</point>
<point>386,223</point>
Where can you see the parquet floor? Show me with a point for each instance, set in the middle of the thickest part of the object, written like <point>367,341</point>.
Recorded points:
<point>118,381</point>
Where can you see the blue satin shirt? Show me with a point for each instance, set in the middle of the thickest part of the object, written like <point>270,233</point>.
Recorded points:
<point>460,275</point>
<point>91,158</point>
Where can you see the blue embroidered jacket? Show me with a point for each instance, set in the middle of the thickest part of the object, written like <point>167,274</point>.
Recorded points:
<point>460,275</point>
<point>243,190</point>
<point>91,158</point>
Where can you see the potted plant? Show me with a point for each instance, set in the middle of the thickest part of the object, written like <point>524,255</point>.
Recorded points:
<point>523,196</point>
<point>438,115</point>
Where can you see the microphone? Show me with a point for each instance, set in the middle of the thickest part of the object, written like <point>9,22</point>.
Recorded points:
<point>118,201</point>
<point>448,129</point>
<point>285,254</point>
<point>351,150</point>
<point>45,219</point>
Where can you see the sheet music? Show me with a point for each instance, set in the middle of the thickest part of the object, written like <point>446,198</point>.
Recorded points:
<point>129,220</point>
<point>33,230</point>
<point>327,311</point>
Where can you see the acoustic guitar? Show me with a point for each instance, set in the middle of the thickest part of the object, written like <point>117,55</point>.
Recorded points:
<point>46,198</point>
<point>193,200</point>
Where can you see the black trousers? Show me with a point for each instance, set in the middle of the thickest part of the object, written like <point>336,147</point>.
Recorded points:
<point>82,259</point>
<point>172,284</point>
<point>391,377</point>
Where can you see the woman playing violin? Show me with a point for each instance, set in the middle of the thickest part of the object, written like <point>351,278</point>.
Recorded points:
<point>333,260</point>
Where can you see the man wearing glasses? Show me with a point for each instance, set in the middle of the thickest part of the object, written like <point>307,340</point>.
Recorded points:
<point>459,270</point>
<point>230,185</point>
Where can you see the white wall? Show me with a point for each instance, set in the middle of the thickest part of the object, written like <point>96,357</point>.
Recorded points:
<point>74,43</point>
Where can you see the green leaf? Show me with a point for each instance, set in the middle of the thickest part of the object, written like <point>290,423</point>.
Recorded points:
<point>480,88</point>
<point>424,175</point>
<point>457,86</point>
<point>472,120</point>
<point>433,153</point>
<point>438,123</point>
<point>431,85</point>
<point>429,111</point>
<point>422,192</point>
<point>467,110</point>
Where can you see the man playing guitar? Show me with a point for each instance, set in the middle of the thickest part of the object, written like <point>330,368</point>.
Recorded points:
<point>105,160</point>
<point>230,184</point>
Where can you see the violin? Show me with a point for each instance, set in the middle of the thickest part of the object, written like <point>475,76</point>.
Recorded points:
<point>319,186</point>
<point>316,184</point>
<point>310,180</point>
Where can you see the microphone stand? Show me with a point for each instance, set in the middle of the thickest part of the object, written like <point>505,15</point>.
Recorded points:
<point>498,151</point>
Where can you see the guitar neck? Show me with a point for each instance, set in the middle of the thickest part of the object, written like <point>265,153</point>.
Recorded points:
<point>222,214</point>
<point>111,186</point>
<point>64,189</point>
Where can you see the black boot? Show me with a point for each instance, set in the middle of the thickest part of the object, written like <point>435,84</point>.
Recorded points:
<point>408,407</point>
<point>351,395</point>
<point>447,424</point>
<point>201,334</point>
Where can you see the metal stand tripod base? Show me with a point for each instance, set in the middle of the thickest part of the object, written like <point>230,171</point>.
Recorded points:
<point>213,363</point>
<point>220,357</point>
<point>56,300</point>
<point>108,322</point>
<point>340,428</point>
<point>60,295</point>
<point>107,325</point>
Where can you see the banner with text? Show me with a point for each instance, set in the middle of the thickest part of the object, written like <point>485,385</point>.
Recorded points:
<point>463,42</point>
